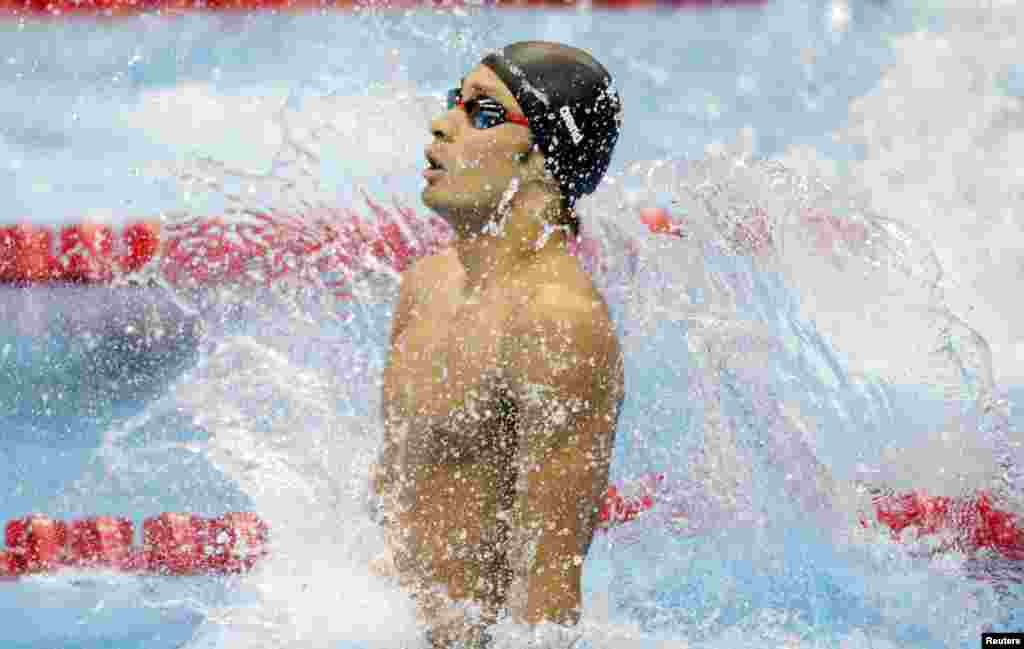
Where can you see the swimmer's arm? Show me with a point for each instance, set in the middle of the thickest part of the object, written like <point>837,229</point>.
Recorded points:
<point>383,472</point>
<point>565,369</point>
<point>408,292</point>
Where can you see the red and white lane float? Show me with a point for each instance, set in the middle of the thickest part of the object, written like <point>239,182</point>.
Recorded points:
<point>259,249</point>
<point>174,544</point>
<point>74,253</point>
<point>112,8</point>
<point>182,544</point>
<point>625,501</point>
<point>969,525</point>
<point>262,247</point>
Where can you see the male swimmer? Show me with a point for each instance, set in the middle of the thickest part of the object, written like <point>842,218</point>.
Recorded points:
<point>504,377</point>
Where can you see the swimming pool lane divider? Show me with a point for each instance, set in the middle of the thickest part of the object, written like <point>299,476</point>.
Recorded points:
<point>112,8</point>
<point>184,544</point>
<point>969,525</point>
<point>179,544</point>
<point>210,251</point>
<point>260,248</point>
<point>174,544</point>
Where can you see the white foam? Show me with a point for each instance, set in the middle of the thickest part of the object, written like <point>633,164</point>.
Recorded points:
<point>943,153</point>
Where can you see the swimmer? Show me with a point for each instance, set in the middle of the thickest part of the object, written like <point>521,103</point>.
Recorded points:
<point>504,378</point>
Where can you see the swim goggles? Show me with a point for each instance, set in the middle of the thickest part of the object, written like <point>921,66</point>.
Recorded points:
<point>484,112</point>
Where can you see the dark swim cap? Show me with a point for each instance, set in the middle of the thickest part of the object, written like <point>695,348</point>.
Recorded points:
<point>575,113</point>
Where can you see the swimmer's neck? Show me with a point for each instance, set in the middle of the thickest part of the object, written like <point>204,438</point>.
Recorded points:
<point>526,235</point>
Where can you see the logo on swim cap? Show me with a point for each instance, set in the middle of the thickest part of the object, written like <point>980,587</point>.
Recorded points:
<point>570,123</point>
<point>611,94</point>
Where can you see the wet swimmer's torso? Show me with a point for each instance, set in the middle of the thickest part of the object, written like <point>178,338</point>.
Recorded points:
<point>503,405</point>
<point>451,376</point>
<point>445,366</point>
<point>504,375</point>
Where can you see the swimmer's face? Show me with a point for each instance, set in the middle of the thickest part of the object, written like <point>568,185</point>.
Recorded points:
<point>477,165</point>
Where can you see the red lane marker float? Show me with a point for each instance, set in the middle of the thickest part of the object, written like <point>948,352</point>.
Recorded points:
<point>210,251</point>
<point>112,8</point>
<point>967,525</point>
<point>174,544</point>
<point>25,253</point>
<point>103,542</point>
<point>752,235</point>
<point>203,252</point>
<point>37,543</point>
<point>658,221</point>
<point>263,248</point>
<point>84,253</point>
<point>143,243</point>
<point>181,544</point>
<point>269,245</point>
<point>626,501</point>
<point>237,541</point>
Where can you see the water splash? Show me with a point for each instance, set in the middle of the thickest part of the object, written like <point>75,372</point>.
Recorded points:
<point>752,417</point>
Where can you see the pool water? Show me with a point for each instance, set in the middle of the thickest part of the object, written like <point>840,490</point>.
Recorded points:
<point>764,385</point>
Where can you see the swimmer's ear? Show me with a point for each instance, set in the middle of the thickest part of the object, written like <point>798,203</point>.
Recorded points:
<point>534,168</point>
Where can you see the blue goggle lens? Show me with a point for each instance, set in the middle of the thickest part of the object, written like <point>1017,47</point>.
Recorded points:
<point>483,112</point>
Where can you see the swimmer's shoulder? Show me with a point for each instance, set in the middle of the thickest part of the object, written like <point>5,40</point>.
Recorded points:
<point>572,317</point>
<point>427,275</point>
<point>566,293</point>
<point>431,273</point>
<point>562,282</point>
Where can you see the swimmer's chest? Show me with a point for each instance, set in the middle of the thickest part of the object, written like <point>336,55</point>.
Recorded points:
<point>449,358</point>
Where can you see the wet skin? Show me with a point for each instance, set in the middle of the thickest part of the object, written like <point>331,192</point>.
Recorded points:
<point>501,392</point>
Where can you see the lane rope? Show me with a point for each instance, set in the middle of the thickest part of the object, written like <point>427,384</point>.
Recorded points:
<point>121,8</point>
<point>174,544</point>
<point>254,248</point>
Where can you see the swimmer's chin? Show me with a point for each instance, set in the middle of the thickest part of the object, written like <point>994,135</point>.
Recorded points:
<point>429,198</point>
<point>457,209</point>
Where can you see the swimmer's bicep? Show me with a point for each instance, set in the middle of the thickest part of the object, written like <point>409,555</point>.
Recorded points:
<point>383,472</point>
<point>567,377</point>
<point>565,368</point>
<point>553,522</point>
<point>563,469</point>
<point>556,510</point>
